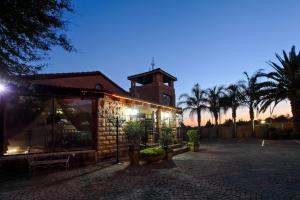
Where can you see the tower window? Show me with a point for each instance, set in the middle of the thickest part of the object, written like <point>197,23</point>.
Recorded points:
<point>167,99</point>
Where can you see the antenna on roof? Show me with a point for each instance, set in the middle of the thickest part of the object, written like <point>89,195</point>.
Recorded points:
<point>152,63</point>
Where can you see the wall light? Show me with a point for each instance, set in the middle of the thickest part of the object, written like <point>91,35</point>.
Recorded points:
<point>130,111</point>
<point>165,115</point>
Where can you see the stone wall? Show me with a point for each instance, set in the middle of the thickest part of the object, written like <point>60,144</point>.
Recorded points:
<point>108,110</point>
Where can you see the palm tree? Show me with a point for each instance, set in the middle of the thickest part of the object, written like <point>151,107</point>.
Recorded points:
<point>251,91</point>
<point>284,83</point>
<point>195,103</point>
<point>233,100</point>
<point>214,102</point>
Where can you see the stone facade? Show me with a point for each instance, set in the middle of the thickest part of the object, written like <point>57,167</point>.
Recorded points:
<point>109,108</point>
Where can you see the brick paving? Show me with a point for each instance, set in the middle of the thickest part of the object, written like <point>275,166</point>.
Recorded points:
<point>220,170</point>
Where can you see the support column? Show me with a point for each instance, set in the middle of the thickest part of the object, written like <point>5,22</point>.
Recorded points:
<point>95,123</point>
<point>2,126</point>
<point>158,120</point>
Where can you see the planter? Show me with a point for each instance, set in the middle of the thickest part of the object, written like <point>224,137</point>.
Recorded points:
<point>134,154</point>
<point>153,158</point>
<point>152,155</point>
<point>168,154</point>
<point>194,147</point>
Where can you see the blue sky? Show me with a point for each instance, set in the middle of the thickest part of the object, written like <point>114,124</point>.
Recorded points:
<point>210,42</point>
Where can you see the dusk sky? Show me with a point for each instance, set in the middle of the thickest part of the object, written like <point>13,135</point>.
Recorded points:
<point>209,42</point>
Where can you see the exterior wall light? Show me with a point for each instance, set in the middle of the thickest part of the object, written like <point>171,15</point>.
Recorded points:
<point>130,111</point>
<point>165,115</point>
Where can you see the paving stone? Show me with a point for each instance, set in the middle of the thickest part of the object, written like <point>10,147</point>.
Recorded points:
<point>220,170</point>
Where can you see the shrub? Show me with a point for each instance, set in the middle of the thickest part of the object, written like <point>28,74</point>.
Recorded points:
<point>279,133</point>
<point>133,131</point>
<point>295,135</point>
<point>193,136</point>
<point>274,135</point>
<point>151,152</point>
<point>265,132</point>
<point>283,134</point>
<point>189,144</point>
<point>166,137</point>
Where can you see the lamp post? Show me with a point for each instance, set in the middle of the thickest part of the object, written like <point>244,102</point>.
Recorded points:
<point>117,121</point>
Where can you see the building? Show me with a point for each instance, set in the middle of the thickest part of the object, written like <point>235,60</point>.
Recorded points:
<point>74,112</point>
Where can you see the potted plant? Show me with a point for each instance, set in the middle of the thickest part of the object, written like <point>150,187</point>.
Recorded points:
<point>133,131</point>
<point>151,155</point>
<point>193,140</point>
<point>166,140</point>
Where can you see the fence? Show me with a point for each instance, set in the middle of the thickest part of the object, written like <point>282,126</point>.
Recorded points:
<point>243,131</point>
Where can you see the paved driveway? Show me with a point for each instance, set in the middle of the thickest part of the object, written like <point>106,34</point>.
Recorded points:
<point>221,170</point>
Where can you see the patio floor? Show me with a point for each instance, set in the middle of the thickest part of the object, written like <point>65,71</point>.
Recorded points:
<point>225,169</point>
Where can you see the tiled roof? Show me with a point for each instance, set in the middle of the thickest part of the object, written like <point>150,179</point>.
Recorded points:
<point>83,80</point>
<point>154,71</point>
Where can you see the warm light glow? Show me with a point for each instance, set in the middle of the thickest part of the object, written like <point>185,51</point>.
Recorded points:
<point>165,115</point>
<point>2,88</point>
<point>59,112</point>
<point>12,150</point>
<point>130,111</point>
<point>262,121</point>
<point>282,108</point>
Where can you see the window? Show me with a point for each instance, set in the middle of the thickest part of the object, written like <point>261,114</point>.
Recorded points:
<point>99,86</point>
<point>73,124</point>
<point>28,125</point>
<point>167,100</point>
<point>44,124</point>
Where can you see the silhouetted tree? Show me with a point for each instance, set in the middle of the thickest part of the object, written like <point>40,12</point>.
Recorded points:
<point>214,102</point>
<point>228,122</point>
<point>251,91</point>
<point>208,124</point>
<point>28,31</point>
<point>284,83</point>
<point>194,103</point>
<point>234,99</point>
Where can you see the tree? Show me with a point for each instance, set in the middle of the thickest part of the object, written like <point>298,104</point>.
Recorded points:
<point>214,102</point>
<point>194,103</point>
<point>28,31</point>
<point>251,91</point>
<point>284,83</point>
<point>234,99</point>
<point>208,124</point>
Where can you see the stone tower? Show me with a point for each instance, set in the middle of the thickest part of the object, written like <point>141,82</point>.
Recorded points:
<point>156,86</point>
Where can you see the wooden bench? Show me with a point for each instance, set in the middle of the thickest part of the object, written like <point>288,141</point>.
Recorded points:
<point>47,160</point>
<point>55,159</point>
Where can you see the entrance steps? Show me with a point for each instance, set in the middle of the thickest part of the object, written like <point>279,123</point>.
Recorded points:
<point>180,150</point>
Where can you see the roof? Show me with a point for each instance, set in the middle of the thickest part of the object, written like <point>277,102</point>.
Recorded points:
<point>69,83</point>
<point>155,71</point>
<point>82,80</point>
<point>60,75</point>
